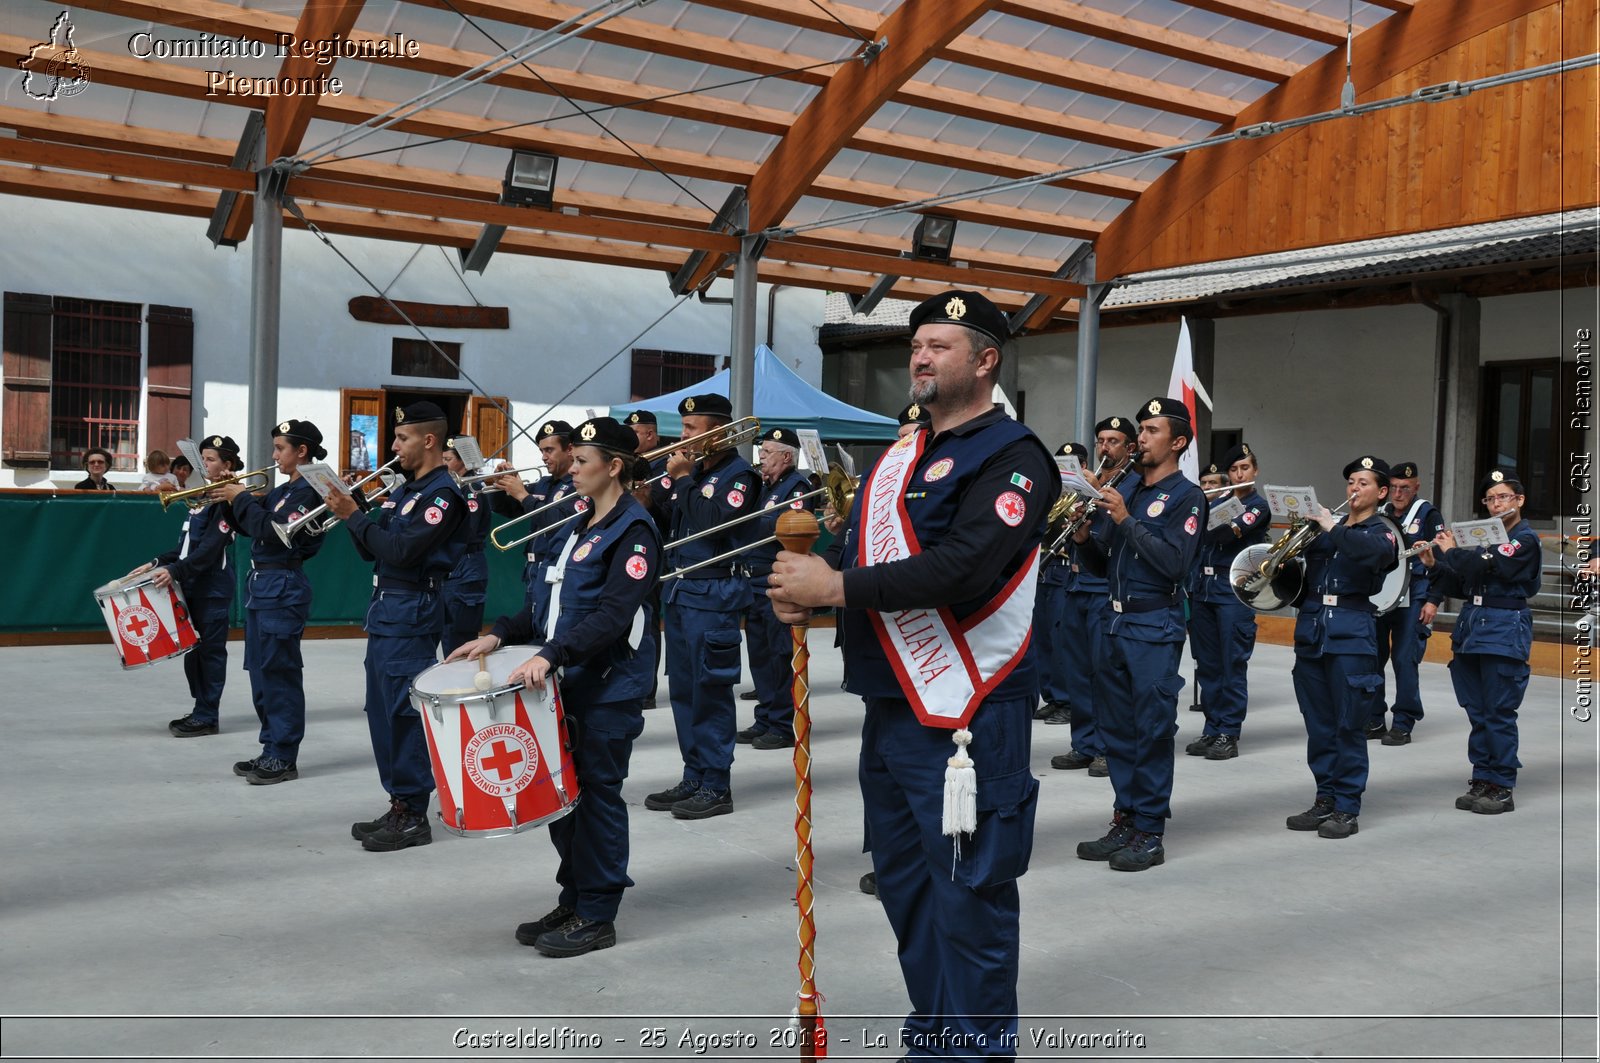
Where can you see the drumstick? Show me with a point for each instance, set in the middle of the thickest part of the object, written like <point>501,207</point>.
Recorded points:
<point>482,681</point>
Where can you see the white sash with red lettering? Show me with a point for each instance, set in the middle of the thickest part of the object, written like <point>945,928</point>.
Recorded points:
<point>945,666</point>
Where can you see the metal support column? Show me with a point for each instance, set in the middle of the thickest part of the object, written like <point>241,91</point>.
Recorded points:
<point>266,275</point>
<point>742,347</point>
<point>1088,359</point>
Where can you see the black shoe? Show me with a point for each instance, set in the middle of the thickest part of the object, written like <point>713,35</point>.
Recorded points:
<point>703,804</point>
<point>749,734</point>
<point>528,933</point>
<point>773,740</point>
<point>749,695</point>
<point>1099,769</point>
<point>575,937</point>
<point>1142,851</point>
<point>1313,817</point>
<point>1045,708</point>
<point>665,799</point>
<point>189,727</point>
<point>406,829</point>
<point>365,829</point>
<point>1114,839</point>
<point>1475,789</point>
<point>1071,761</point>
<point>243,768</point>
<point>1058,715</point>
<point>1495,800</point>
<point>270,770</point>
<point>869,883</point>
<point>1226,747</point>
<point>1339,825</point>
<point>1397,737</point>
<point>1200,746</point>
<point>1377,730</point>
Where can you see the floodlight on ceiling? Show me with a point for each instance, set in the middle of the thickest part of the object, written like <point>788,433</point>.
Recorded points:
<point>530,180</point>
<point>933,237</point>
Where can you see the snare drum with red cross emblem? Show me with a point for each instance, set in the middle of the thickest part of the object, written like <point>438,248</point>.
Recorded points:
<point>147,623</point>
<point>501,757</point>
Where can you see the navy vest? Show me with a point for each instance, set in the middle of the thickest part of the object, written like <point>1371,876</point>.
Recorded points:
<point>621,672</point>
<point>202,530</point>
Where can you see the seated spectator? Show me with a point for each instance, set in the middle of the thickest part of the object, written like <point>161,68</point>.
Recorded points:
<point>96,462</point>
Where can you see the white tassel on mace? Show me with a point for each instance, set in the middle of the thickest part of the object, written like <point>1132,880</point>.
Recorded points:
<point>960,790</point>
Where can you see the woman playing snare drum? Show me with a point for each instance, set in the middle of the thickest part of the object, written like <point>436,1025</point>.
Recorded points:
<point>603,641</point>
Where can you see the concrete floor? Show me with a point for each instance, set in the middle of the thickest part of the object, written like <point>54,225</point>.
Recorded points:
<point>155,906</point>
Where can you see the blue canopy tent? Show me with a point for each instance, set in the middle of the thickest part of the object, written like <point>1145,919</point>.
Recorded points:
<point>782,400</point>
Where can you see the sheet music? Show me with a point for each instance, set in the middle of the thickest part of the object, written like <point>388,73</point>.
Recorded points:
<point>1479,533</point>
<point>811,449</point>
<point>471,453</point>
<point>1291,502</point>
<point>1072,478</point>
<point>1222,512</point>
<point>323,479</point>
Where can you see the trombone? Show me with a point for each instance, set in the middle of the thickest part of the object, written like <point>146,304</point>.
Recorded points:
<point>840,488</point>
<point>314,526</point>
<point>583,507</point>
<point>193,497</point>
<point>466,482</point>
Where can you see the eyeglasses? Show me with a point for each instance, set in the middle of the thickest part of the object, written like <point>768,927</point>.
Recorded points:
<point>97,461</point>
<point>1490,500</point>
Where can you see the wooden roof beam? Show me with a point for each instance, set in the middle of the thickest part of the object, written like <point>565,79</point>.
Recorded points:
<point>1277,16</point>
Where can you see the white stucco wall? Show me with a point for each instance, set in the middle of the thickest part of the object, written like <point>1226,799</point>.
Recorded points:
<point>567,318</point>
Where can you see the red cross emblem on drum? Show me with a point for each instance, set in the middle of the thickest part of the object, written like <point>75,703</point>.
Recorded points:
<point>501,759</point>
<point>1011,508</point>
<point>139,626</point>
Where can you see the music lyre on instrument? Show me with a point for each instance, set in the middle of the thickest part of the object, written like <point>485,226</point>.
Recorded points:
<point>314,523</point>
<point>192,497</point>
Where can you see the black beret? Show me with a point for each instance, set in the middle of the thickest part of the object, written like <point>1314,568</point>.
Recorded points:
<point>1163,406</point>
<point>1238,454</point>
<point>1403,470</point>
<point>562,429</point>
<point>303,432</point>
<point>1118,424</point>
<point>641,417</point>
<point>223,445</point>
<point>1077,450</point>
<point>1213,470</point>
<point>418,412</point>
<point>962,308</point>
<point>1369,463</point>
<point>915,414</point>
<point>785,436</point>
<point>707,405</point>
<point>606,433</point>
<point>1500,474</point>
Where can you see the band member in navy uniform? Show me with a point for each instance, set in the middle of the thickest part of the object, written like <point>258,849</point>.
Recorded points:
<point>279,602</point>
<point>655,491</point>
<point>1223,627</point>
<point>1144,538</point>
<point>1089,614</point>
<point>703,611</point>
<point>946,527</point>
<point>1492,638</point>
<point>555,446</point>
<point>1214,482</point>
<point>604,625</point>
<point>1336,647</point>
<point>200,565</point>
<point>416,540</point>
<point>468,583</point>
<point>1056,679</point>
<point>768,639</point>
<point>1403,632</point>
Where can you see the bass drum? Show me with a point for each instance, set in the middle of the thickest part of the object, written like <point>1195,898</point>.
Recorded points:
<point>1262,595</point>
<point>1396,590</point>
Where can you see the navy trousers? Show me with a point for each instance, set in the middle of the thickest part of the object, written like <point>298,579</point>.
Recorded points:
<point>463,596</point>
<point>1336,692</point>
<point>206,666</point>
<point>1403,640</point>
<point>1082,648</point>
<point>702,668</point>
<point>1490,688</point>
<point>956,917</point>
<point>1050,651</point>
<point>277,680</point>
<point>1137,699</point>
<point>398,743</point>
<point>1224,636</point>
<point>591,841</point>
<point>771,649</point>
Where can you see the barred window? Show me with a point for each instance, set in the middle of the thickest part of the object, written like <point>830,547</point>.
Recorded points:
<point>94,370</point>
<point>658,372</point>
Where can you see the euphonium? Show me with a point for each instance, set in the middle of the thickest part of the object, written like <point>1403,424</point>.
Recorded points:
<point>1270,577</point>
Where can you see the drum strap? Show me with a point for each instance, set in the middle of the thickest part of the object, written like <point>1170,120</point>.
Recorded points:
<point>553,576</point>
<point>1416,506</point>
<point>183,547</point>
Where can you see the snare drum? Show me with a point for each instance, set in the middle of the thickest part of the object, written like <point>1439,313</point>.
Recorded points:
<point>501,758</point>
<point>147,623</point>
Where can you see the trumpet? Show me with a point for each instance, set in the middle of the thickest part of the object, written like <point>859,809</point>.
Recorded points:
<point>466,482</point>
<point>1270,577</point>
<point>313,524</point>
<point>839,486</point>
<point>194,496</point>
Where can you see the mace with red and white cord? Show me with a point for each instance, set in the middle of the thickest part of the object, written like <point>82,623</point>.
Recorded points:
<point>798,532</point>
